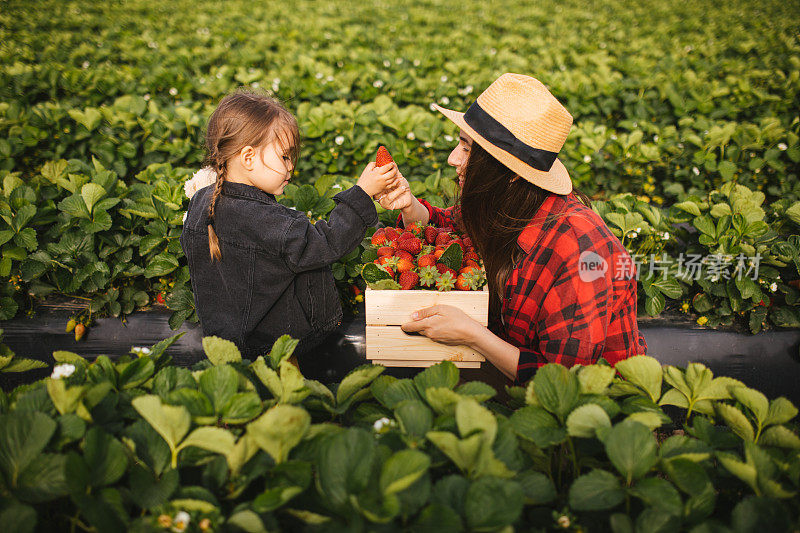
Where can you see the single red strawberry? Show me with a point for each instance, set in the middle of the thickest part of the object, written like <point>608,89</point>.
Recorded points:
<point>408,280</point>
<point>471,255</point>
<point>468,242</point>
<point>383,157</point>
<point>385,250</point>
<point>442,268</point>
<point>438,253</point>
<point>391,260</point>
<point>411,245</point>
<point>379,238</point>
<point>404,265</point>
<point>442,239</point>
<point>402,254</point>
<point>388,269</point>
<point>405,235</point>
<point>414,229</point>
<point>160,298</point>
<point>430,234</point>
<point>461,283</point>
<point>471,263</point>
<point>426,260</point>
<point>391,234</point>
<point>467,270</point>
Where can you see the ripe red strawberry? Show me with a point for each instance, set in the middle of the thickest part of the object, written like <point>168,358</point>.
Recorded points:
<point>391,234</point>
<point>405,235</point>
<point>392,261</point>
<point>383,157</point>
<point>411,245</point>
<point>388,269</point>
<point>442,239</point>
<point>404,265</point>
<point>426,260</point>
<point>461,283</point>
<point>379,238</point>
<point>471,263</point>
<point>471,255</point>
<point>408,280</point>
<point>467,270</point>
<point>442,268</point>
<point>160,298</point>
<point>402,254</point>
<point>468,242</point>
<point>414,229</point>
<point>385,250</point>
<point>469,281</point>
<point>430,234</point>
<point>438,253</point>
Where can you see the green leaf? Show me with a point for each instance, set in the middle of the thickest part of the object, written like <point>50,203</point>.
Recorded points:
<point>356,380</point>
<point>18,518</point>
<point>736,420</point>
<point>105,456</point>
<point>91,194</point>
<point>221,351</point>
<point>372,273</point>
<point>345,466</point>
<point>444,374</point>
<point>471,417</point>
<point>463,452</point>
<point>644,372</point>
<point>402,469</point>
<point>452,257</point>
<point>219,383</point>
<point>136,373</point>
<point>171,422</point>
<point>586,419</point>
<point>557,389</point>
<point>161,265</point>
<point>753,400</point>
<point>688,476</point>
<point>781,411</point>
<point>242,407</point>
<point>493,504</point>
<point>780,437</point>
<point>598,490</point>
<point>478,390</point>
<point>754,514</point>
<point>23,436</point>
<point>43,480</point>
<point>660,493</point>
<point>213,439</point>
<point>537,488</point>
<point>595,379</point>
<point>279,430</point>
<point>414,418</point>
<point>631,448</point>
<point>282,349</point>
<point>149,492</point>
<point>537,425</point>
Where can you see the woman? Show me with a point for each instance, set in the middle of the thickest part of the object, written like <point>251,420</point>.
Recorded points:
<point>560,283</point>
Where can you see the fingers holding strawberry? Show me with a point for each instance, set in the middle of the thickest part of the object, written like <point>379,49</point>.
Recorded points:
<point>375,179</point>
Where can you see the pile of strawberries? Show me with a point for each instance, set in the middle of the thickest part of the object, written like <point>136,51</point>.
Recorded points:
<point>413,258</point>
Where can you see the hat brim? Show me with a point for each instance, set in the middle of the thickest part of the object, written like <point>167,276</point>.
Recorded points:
<point>556,180</point>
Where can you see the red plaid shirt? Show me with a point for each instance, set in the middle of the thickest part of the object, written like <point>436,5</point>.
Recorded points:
<point>557,308</point>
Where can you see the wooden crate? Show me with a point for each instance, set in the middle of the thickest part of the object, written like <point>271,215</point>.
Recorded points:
<point>389,345</point>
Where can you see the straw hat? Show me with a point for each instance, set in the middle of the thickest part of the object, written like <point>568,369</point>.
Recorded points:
<point>523,126</point>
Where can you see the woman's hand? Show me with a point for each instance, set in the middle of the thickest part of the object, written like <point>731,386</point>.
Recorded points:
<point>445,324</point>
<point>399,197</point>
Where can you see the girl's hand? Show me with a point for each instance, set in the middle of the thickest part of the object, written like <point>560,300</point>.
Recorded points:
<point>375,179</point>
<point>399,197</point>
<point>445,324</point>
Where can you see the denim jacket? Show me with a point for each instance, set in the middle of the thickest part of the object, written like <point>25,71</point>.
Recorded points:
<point>274,277</point>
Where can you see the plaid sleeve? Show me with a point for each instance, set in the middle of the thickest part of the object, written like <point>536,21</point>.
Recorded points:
<point>441,218</point>
<point>572,312</point>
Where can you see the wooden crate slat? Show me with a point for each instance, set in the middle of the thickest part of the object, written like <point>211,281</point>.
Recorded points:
<point>392,343</point>
<point>394,307</point>
<point>397,363</point>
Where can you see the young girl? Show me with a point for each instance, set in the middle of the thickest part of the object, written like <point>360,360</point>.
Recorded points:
<point>260,269</point>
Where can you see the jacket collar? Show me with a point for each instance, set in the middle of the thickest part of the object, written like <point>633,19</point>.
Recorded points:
<point>552,205</point>
<point>249,192</point>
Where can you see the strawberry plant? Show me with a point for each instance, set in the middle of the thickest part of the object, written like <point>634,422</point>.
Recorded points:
<point>138,443</point>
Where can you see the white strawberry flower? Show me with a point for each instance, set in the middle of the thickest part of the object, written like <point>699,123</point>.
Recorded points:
<point>319,75</point>
<point>377,84</point>
<point>773,287</point>
<point>387,63</point>
<point>416,62</point>
<point>141,350</point>
<point>64,370</point>
<point>382,425</point>
<point>181,522</point>
<point>444,100</point>
<point>448,138</point>
<point>410,136</point>
<point>696,171</point>
<point>587,159</point>
<point>173,91</point>
<point>782,147</point>
<point>202,178</point>
<point>443,79</point>
<point>339,139</point>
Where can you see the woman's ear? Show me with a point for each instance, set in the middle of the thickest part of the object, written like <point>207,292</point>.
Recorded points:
<point>248,157</point>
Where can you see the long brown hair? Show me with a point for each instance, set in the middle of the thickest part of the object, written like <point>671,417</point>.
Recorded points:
<point>496,205</point>
<point>244,118</point>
